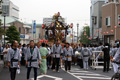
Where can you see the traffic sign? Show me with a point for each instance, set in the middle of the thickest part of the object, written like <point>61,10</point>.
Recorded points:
<point>34,27</point>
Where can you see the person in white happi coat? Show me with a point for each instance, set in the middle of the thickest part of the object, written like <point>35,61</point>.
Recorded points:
<point>114,50</point>
<point>85,54</point>
<point>33,59</point>
<point>56,52</point>
<point>13,58</point>
<point>116,59</point>
<point>68,52</point>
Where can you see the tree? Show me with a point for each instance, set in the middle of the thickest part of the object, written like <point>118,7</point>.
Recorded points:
<point>85,38</point>
<point>1,30</point>
<point>12,34</point>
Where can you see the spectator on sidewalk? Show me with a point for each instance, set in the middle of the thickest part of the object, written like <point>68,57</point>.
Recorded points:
<point>1,52</point>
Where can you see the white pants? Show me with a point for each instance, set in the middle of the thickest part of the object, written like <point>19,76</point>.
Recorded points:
<point>85,64</point>
<point>115,67</point>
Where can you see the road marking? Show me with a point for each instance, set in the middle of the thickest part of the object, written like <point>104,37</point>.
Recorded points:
<point>48,76</point>
<point>81,75</point>
<point>79,71</point>
<point>72,71</point>
<point>73,75</point>
<point>89,77</point>
<point>87,74</point>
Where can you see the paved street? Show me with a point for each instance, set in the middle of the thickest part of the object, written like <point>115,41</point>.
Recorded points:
<point>75,74</point>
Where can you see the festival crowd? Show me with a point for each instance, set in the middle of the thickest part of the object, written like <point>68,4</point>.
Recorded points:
<point>54,56</point>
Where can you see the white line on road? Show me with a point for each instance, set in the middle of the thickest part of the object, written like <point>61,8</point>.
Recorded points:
<point>79,71</point>
<point>72,71</point>
<point>73,75</point>
<point>48,76</point>
<point>87,74</point>
<point>89,77</point>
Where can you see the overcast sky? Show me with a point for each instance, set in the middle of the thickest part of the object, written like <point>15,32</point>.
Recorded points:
<point>74,11</point>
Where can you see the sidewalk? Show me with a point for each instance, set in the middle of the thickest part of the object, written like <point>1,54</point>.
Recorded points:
<point>1,65</point>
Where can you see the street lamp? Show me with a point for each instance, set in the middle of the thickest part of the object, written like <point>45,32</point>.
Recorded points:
<point>115,31</point>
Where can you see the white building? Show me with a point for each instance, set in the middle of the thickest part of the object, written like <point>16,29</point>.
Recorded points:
<point>96,18</point>
<point>10,9</point>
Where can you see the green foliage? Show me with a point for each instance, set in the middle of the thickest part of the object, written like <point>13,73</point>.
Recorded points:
<point>12,34</point>
<point>2,32</point>
<point>84,38</point>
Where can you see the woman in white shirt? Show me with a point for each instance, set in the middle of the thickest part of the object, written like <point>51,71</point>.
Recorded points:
<point>5,51</point>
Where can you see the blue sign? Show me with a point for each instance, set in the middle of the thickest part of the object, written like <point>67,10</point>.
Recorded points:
<point>69,32</point>
<point>34,27</point>
<point>22,36</point>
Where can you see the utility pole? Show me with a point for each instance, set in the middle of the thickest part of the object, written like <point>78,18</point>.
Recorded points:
<point>32,30</point>
<point>4,26</point>
<point>77,31</point>
<point>72,35</point>
<point>98,35</point>
<point>115,18</point>
<point>0,14</point>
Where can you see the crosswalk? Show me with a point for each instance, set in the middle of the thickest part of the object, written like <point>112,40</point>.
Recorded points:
<point>85,75</point>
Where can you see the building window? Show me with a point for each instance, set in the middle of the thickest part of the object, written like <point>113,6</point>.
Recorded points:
<point>119,20</point>
<point>108,21</point>
<point>94,20</point>
<point>20,29</point>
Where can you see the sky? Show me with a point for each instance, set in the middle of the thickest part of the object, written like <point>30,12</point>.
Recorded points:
<point>74,11</point>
